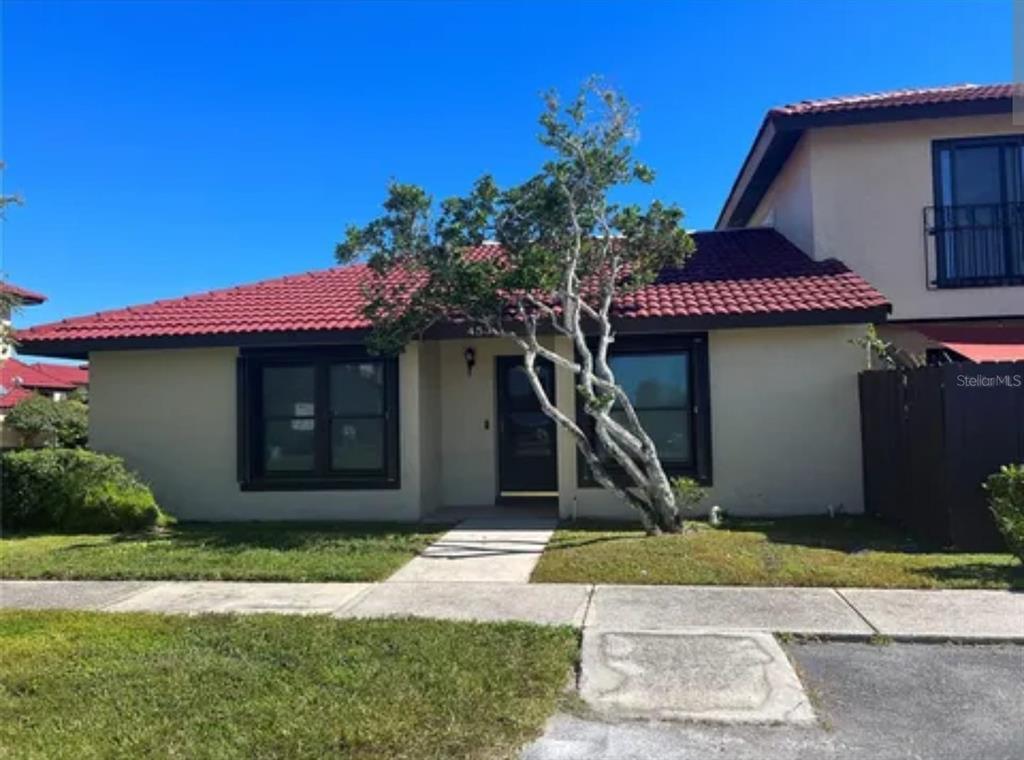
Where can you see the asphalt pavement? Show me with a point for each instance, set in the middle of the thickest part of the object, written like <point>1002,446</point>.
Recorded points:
<point>914,701</point>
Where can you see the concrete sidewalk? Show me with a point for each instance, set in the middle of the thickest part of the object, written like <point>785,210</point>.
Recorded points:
<point>855,613</point>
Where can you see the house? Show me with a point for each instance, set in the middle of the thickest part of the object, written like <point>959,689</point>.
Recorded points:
<point>12,297</point>
<point>261,402</point>
<point>920,191</point>
<point>20,380</point>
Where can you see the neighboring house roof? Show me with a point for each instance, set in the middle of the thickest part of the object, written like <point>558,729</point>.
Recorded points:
<point>71,374</point>
<point>19,379</point>
<point>736,277</point>
<point>15,373</point>
<point>783,126</point>
<point>14,396</point>
<point>27,297</point>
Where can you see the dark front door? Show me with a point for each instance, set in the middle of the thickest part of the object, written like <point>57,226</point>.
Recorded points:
<point>527,452</point>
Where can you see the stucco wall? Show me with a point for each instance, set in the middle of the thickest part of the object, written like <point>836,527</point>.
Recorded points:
<point>430,425</point>
<point>469,467</point>
<point>172,416</point>
<point>870,184</point>
<point>785,430</point>
<point>785,425</point>
<point>788,205</point>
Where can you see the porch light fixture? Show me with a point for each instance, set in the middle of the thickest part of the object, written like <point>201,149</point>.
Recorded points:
<point>470,354</point>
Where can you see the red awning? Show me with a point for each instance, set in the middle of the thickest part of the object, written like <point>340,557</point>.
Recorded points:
<point>979,343</point>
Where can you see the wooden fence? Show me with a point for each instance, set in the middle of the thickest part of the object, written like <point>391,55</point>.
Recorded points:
<point>931,436</point>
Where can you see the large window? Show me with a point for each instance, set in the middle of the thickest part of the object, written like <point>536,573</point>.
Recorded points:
<point>978,218</point>
<point>666,381</point>
<point>318,419</point>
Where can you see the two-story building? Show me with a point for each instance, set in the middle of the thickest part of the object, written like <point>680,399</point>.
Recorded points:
<point>919,191</point>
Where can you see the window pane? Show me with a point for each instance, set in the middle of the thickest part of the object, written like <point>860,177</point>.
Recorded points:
<point>652,380</point>
<point>519,395</point>
<point>670,431</point>
<point>1013,160</point>
<point>288,391</point>
<point>288,445</point>
<point>976,176</point>
<point>357,388</point>
<point>357,444</point>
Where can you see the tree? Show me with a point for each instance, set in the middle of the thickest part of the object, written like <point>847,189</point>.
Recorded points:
<point>41,421</point>
<point>9,303</point>
<point>567,252</point>
<point>8,200</point>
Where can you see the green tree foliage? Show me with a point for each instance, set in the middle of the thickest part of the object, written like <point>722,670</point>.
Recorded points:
<point>568,250</point>
<point>41,421</point>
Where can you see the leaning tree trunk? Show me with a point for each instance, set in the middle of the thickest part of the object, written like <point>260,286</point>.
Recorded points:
<point>642,482</point>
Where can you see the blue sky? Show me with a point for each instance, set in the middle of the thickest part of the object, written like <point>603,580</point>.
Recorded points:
<point>165,148</point>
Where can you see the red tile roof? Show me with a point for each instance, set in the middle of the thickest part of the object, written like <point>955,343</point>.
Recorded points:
<point>898,98</point>
<point>734,272</point>
<point>13,397</point>
<point>23,294</point>
<point>783,126</point>
<point>15,373</point>
<point>74,375</point>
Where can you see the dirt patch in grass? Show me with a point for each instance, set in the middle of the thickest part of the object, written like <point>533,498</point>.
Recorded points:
<point>103,685</point>
<point>792,552</point>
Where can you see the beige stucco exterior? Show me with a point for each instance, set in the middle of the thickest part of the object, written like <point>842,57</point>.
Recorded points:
<point>785,430</point>
<point>172,416</point>
<point>857,193</point>
<point>785,425</point>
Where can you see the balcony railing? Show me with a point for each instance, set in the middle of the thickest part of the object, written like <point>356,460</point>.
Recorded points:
<point>974,246</point>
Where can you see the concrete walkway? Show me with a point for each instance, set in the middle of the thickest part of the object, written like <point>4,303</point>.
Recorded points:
<point>842,613</point>
<point>501,545</point>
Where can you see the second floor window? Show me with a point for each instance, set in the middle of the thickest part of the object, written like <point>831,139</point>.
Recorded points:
<point>978,219</point>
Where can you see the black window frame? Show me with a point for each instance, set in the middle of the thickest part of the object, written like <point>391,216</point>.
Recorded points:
<point>252,477</point>
<point>700,400</point>
<point>944,280</point>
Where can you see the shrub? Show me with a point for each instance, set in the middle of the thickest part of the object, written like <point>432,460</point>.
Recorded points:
<point>45,422</point>
<point>689,493</point>
<point>73,490</point>
<point>1006,500</point>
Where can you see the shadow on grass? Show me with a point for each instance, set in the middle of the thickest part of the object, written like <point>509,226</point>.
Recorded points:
<point>974,573</point>
<point>283,536</point>
<point>559,544</point>
<point>844,534</point>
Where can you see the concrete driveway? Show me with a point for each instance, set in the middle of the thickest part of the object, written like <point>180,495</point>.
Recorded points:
<point>890,702</point>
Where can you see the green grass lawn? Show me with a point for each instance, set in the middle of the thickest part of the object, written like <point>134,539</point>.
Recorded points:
<point>790,552</point>
<point>220,551</point>
<point>77,685</point>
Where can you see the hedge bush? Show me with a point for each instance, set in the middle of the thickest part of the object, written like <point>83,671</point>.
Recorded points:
<point>45,422</point>
<point>73,491</point>
<point>1006,499</point>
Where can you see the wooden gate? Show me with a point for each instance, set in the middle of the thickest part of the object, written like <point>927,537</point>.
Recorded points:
<point>931,436</point>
